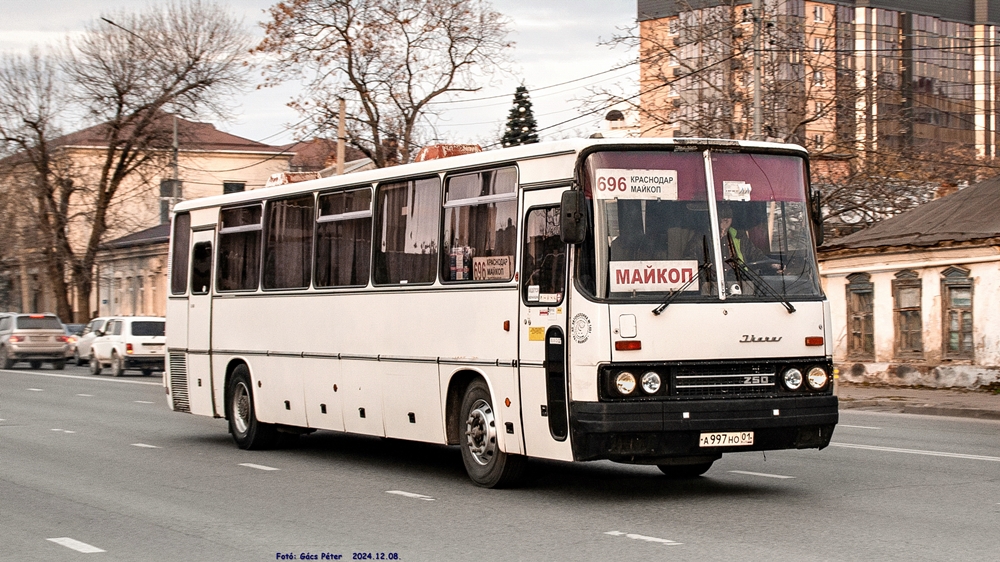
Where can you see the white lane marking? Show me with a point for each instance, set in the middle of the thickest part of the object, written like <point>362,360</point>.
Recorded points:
<point>143,402</point>
<point>83,378</point>
<point>145,446</point>
<point>2,420</point>
<point>765,475</point>
<point>36,390</point>
<point>76,545</point>
<point>643,538</point>
<point>410,495</point>
<point>86,395</point>
<point>916,452</point>
<point>857,426</point>
<point>258,466</point>
<point>64,430</point>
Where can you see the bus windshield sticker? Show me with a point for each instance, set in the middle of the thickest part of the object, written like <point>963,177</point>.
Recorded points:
<point>493,268</point>
<point>636,184</point>
<point>652,276</point>
<point>536,333</point>
<point>736,191</point>
<point>533,292</point>
<point>550,297</point>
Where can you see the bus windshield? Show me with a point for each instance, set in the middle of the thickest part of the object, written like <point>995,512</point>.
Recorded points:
<point>660,232</point>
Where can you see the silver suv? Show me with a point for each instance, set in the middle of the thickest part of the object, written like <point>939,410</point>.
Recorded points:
<point>35,338</point>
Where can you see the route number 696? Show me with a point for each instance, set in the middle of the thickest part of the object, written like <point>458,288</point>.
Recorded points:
<point>612,184</point>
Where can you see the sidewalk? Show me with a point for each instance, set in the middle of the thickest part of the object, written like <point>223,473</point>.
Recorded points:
<point>980,404</point>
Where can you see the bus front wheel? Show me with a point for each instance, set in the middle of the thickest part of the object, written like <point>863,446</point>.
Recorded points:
<point>486,464</point>
<point>243,425</point>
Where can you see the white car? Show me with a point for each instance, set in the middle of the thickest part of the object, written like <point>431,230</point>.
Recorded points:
<point>129,343</point>
<point>82,353</point>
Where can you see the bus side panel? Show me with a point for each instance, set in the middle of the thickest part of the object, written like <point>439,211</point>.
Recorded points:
<point>362,398</point>
<point>324,407</point>
<point>176,375</point>
<point>411,401</point>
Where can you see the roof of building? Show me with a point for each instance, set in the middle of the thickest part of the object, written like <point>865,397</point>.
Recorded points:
<point>314,155</point>
<point>158,234</point>
<point>192,135</point>
<point>964,216</point>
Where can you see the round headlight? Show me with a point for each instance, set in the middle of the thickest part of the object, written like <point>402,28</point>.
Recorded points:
<point>792,378</point>
<point>651,382</point>
<point>817,378</point>
<point>625,382</point>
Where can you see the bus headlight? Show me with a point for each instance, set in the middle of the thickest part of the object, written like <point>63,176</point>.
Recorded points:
<point>817,378</point>
<point>625,383</point>
<point>651,382</point>
<point>792,379</point>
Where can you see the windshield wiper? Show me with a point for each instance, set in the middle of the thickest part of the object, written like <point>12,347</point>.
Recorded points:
<point>673,294</point>
<point>739,265</point>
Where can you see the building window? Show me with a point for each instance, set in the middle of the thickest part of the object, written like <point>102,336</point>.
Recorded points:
<point>956,297</point>
<point>233,186</point>
<point>818,78</point>
<point>819,14</point>
<point>860,318</point>
<point>906,293</point>
<point>171,192</point>
<point>673,26</point>
<point>818,141</point>
<point>817,44</point>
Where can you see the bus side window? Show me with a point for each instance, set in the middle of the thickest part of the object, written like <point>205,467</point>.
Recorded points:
<point>201,268</point>
<point>479,231</point>
<point>181,253</point>
<point>544,268</point>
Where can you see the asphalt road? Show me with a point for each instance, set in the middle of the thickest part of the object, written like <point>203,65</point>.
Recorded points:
<point>95,463</point>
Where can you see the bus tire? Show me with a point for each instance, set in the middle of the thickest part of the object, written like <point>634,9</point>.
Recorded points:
<point>685,470</point>
<point>486,464</point>
<point>248,433</point>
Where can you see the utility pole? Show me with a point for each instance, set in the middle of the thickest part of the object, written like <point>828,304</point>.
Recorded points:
<point>341,138</point>
<point>177,177</point>
<point>757,113</point>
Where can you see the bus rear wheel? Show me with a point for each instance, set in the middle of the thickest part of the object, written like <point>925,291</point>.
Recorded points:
<point>243,425</point>
<point>486,464</point>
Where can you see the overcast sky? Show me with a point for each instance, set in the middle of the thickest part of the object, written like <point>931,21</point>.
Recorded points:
<point>556,41</point>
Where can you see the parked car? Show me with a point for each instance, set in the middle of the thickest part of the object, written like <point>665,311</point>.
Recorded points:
<point>73,332</point>
<point>129,343</point>
<point>81,354</point>
<point>35,338</point>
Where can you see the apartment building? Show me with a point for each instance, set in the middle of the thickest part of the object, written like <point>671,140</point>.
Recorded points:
<point>838,76</point>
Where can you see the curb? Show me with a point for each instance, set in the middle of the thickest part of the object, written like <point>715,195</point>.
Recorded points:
<point>894,406</point>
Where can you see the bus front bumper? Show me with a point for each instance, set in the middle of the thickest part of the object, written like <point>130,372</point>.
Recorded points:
<point>656,431</point>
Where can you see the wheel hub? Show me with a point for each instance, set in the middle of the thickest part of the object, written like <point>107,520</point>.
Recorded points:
<point>480,432</point>
<point>241,408</point>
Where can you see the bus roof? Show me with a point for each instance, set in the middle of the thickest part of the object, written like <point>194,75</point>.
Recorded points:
<point>471,161</point>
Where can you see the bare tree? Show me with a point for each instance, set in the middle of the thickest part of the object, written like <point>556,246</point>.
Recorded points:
<point>388,58</point>
<point>126,74</point>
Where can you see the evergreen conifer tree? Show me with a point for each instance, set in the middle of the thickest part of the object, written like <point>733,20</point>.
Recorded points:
<point>521,125</point>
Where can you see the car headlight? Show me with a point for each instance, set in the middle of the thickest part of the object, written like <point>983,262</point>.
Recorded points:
<point>651,382</point>
<point>625,382</point>
<point>792,379</point>
<point>817,378</point>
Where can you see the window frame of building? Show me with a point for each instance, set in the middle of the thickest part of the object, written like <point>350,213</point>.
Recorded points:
<point>233,187</point>
<point>819,14</point>
<point>819,78</point>
<point>907,316</point>
<point>860,317</point>
<point>956,279</point>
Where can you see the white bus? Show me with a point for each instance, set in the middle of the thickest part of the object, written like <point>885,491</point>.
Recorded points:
<point>645,301</point>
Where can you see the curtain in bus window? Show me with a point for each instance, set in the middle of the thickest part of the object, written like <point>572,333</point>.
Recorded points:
<point>344,239</point>
<point>480,226</point>
<point>408,226</point>
<point>238,265</point>
<point>181,251</point>
<point>288,254</point>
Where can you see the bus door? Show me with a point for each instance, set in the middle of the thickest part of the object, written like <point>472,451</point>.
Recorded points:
<point>199,336</point>
<point>542,329</point>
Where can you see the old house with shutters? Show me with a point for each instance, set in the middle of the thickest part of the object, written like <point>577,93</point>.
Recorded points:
<point>915,298</point>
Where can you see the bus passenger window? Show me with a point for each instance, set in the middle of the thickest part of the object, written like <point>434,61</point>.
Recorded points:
<point>344,239</point>
<point>201,268</point>
<point>288,254</point>
<point>480,212</point>
<point>407,232</point>
<point>543,268</point>
<point>181,253</point>
<point>238,268</point>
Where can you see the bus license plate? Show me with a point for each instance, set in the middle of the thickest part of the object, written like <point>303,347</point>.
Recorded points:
<point>726,439</point>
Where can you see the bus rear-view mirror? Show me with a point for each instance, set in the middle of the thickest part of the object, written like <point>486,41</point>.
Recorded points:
<point>572,218</point>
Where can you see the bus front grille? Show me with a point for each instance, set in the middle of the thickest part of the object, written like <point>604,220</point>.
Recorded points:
<point>179,382</point>
<point>724,380</point>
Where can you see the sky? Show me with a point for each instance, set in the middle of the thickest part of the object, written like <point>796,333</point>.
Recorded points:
<point>556,41</point>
